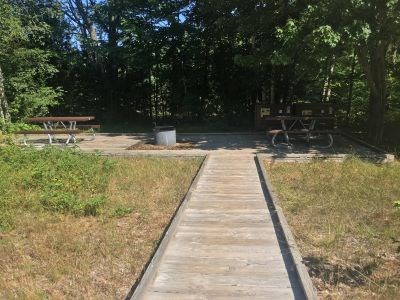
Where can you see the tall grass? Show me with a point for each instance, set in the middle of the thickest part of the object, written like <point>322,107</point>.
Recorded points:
<point>346,223</point>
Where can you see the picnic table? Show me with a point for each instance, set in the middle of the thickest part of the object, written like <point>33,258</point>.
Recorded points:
<point>290,126</point>
<point>60,125</point>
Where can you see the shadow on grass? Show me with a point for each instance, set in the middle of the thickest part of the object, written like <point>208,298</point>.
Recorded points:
<point>334,274</point>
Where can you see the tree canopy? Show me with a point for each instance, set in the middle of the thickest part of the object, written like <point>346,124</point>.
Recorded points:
<point>186,59</point>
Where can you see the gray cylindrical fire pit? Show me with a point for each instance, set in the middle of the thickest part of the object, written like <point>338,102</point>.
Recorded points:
<point>165,135</point>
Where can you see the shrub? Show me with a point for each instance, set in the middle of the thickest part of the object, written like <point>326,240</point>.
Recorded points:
<point>55,180</point>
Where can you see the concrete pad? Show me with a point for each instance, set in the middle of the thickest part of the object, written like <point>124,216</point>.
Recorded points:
<point>223,143</point>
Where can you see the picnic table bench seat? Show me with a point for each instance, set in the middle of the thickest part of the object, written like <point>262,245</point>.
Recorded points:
<point>303,131</point>
<point>61,125</point>
<point>71,132</point>
<point>87,126</point>
<point>51,133</point>
<point>307,132</point>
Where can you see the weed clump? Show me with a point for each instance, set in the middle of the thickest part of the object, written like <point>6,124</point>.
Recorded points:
<point>61,181</point>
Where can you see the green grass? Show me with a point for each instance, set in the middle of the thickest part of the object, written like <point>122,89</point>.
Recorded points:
<point>52,180</point>
<point>77,225</point>
<point>345,220</point>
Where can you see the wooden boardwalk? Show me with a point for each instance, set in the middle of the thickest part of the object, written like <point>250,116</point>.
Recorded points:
<point>224,245</point>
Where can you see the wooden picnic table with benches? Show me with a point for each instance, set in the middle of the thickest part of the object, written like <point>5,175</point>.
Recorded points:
<point>61,125</point>
<point>307,126</point>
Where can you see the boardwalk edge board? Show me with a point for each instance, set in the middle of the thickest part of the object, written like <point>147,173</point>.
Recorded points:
<point>150,269</point>
<point>154,155</point>
<point>389,157</point>
<point>301,270</point>
<point>304,158</point>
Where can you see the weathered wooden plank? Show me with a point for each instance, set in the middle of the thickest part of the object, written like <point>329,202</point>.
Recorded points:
<point>223,215</point>
<point>257,230</point>
<point>221,293</point>
<point>216,261</point>
<point>227,205</point>
<point>223,196</point>
<point>195,279</point>
<point>250,188</point>
<point>205,239</point>
<point>266,234</point>
<point>232,177</point>
<point>224,223</point>
<point>210,250</point>
<point>157,295</point>
<point>228,183</point>
<point>246,211</point>
<point>221,263</point>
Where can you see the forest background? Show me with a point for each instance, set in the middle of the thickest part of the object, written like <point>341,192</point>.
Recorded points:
<point>200,61</point>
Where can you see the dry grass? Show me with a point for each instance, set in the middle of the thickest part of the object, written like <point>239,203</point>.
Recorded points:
<point>55,255</point>
<point>344,220</point>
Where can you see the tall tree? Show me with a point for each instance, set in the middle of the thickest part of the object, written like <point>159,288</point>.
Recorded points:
<point>10,32</point>
<point>380,21</point>
<point>25,60</point>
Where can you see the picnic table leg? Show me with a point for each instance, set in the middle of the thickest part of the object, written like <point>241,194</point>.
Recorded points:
<point>310,129</point>
<point>273,140</point>
<point>48,126</point>
<point>330,141</point>
<point>93,133</point>
<point>71,136</point>
<point>285,133</point>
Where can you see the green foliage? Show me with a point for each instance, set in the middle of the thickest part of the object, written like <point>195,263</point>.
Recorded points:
<point>25,61</point>
<point>26,83</point>
<point>64,202</point>
<point>9,128</point>
<point>326,36</point>
<point>61,181</point>
<point>122,211</point>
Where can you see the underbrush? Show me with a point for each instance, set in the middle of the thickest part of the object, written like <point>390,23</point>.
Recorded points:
<point>9,128</point>
<point>346,220</point>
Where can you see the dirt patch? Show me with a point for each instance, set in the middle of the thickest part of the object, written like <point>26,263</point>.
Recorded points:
<point>149,145</point>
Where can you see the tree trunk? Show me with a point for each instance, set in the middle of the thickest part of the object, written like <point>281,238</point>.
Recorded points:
<point>373,62</point>
<point>4,108</point>
<point>327,89</point>
<point>79,12</point>
<point>150,104</point>
<point>351,86</point>
<point>272,86</point>
<point>264,90</point>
